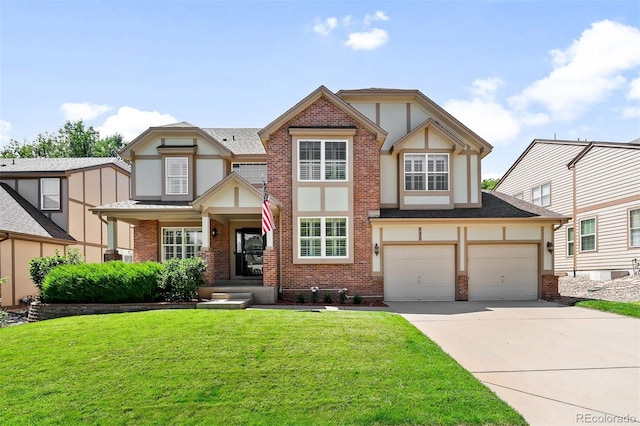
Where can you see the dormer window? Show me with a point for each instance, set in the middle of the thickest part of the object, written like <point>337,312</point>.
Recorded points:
<point>177,175</point>
<point>426,172</point>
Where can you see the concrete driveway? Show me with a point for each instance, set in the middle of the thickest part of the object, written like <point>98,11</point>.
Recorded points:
<point>556,365</point>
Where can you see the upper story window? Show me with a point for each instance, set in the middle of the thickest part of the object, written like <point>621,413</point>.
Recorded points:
<point>50,194</point>
<point>541,195</point>
<point>426,172</point>
<point>252,172</point>
<point>588,235</point>
<point>177,175</point>
<point>570,241</point>
<point>322,160</point>
<point>634,228</point>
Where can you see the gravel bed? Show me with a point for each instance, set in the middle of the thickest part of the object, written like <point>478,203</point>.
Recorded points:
<point>14,318</point>
<point>625,289</point>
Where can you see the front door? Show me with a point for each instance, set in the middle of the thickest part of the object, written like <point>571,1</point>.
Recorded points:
<point>249,246</point>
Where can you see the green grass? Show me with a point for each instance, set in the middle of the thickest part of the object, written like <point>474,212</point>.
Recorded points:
<point>264,367</point>
<point>628,309</point>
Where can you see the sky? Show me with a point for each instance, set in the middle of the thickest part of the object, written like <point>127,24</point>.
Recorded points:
<point>512,71</point>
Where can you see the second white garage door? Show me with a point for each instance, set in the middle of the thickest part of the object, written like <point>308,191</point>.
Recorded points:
<point>415,273</point>
<point>503,272</point>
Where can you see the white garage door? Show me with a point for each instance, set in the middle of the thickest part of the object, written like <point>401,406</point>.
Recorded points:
<point>413,273</point>
<point>503,272</point>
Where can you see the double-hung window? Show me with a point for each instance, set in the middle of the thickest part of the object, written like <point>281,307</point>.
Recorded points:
<point>541,195</point>
<point>322,160</point>
<point>50,194</point>
<point>634,228</point>
<point>323,237</point>
<point>426,172</point>
<point>570,241</point>
<point>181,243</point>
<point>177,175</point>
<point>588,235</point>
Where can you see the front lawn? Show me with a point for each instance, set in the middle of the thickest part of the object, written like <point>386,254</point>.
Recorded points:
<point>628,309</point>
<point>236,367</point>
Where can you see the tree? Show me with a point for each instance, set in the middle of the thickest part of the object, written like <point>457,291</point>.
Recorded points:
<point>73,139</point>
<point>489,183</point>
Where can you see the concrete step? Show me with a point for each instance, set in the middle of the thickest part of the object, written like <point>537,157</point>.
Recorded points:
<point>224,304</point>
<point>232,296</point>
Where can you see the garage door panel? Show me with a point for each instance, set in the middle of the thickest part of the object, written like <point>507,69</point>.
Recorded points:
<point>503,272</point>
<point>419,273</point>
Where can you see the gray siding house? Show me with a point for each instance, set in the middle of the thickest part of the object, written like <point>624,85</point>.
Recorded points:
<point>597,184</point>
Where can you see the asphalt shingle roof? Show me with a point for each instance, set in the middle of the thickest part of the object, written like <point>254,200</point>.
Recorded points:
<point>19,216</point>
<point>26,165</point>
<point>146,205</point>
<point>495,205</point>
<point>238,140</point>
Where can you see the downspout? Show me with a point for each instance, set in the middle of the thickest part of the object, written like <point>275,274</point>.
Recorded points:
<point>280,253</point>
<point>575,224</point>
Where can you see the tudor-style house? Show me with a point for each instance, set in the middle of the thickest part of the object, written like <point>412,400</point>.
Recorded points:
<point>375,190</point>
<point>45,208</point>
<point>597,185</point>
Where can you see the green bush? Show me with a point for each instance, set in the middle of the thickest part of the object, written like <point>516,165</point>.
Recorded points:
<point>300,298</point>
<point>328,298</point>
<point>111,282</point>
<point>357,299</point>
<point>41,266</point>
<point>180,279</point>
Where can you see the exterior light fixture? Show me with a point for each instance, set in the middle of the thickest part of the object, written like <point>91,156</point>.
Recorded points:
<point>550,247</point>
<point>214,231</point>
<point>376,249</point>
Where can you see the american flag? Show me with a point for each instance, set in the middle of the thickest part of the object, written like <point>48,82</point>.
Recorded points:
<point>267,217</point>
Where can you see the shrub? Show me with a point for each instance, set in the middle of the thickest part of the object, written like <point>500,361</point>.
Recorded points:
<point>300,298</point>
<point>357,299</point>
<point>180,279</point>
<point>41,266</point>
<point>111,282</point>
<point>343,296</point>
<point>314,294</point>
<point>328,298</point>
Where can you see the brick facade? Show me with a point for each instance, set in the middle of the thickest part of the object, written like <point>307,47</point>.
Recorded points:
<point>356,277</point>
<point>462,293</point>
<point>549,287</point>
<point>146,240</point>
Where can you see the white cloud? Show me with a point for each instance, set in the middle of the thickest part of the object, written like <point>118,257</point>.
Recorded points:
<point>586,72</point>
<point>487,118</point>
<point>5,127</point>
<point>535,119</point>
<point>634,89</point>
<point>631,112</point>
<point>486,87</point>
<point>130,122</point>
<point>378,16</point>
<point>325,28</point>
<point>369,40</point>
<point>75,111</point>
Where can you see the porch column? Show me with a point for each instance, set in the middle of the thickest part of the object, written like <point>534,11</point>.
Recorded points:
<point>206,232</point>
<point>112,241</point>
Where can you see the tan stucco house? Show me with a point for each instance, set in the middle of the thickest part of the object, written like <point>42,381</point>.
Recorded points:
<point>375,190</point>
<point>45,206</point>
<point>595,184</point>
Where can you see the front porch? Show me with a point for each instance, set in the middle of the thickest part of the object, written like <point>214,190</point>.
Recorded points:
<point>261,294</point>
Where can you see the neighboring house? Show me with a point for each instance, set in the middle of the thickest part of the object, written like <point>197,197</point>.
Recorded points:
<point>45,208</point>
<point>597,185</point>
<point>376,191</point>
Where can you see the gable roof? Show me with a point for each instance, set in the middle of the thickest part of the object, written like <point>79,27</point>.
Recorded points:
<point>182,127</point>
<point>440,114</point>
<point>18,216</point>
<point>495,205</point>
<point>430,123</point>
<point>321,91</point>
<point>584,144</point>
<point>591,145</point>
<point>58,165</point>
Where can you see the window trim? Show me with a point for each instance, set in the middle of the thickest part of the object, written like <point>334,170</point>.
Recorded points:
<point>323,161</point>
<point>595,236</point>
<point>58,194</point>
<point>183,245</point>
<point>541,194</point>
<point>426,172</point>
<point>631,246</point>
<point>571,248</point>
<point>323,238</point>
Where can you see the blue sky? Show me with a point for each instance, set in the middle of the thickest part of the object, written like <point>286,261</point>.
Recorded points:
<point>510,70</point>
